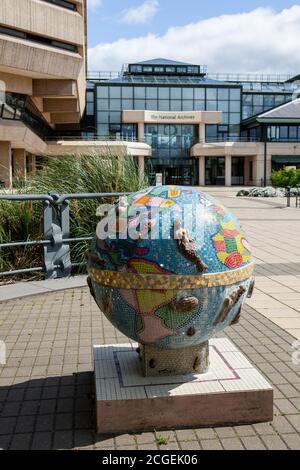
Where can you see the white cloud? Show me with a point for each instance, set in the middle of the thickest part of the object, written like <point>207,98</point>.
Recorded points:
<point>141,14</point>
<point>94,4</point>
<point>259,41</point>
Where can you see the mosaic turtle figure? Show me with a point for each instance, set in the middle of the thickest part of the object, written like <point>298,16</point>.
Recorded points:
<point>175,272</point>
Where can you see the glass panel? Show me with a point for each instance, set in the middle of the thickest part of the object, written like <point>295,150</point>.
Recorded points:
<point>223,106</point>
<point>89,109</point>
<point>211,93</point>
<point>102,116</point>
<point>175,105</point>
<point>163,105</point>
<point>151,105</point>
<point>283,132</point>
<point>181,69</point>
<point>103,130</point>
<point>234,118</point>
<point>115,92</point>
<point>269,101</point>
<point>175,93</point>
<point>127,92</point>
<point>170,69</point>
<point>199,105</point>
<point>187,105</point>
<point>102,92</point>
<point>102,104</point>
<point>127,104</point>
<point>151,92</point>
<point>115,117</point>
<point>258,100</point>
<point>199,93</point>
<point>247,112</point>
<point>257,110</point>
<point>187,93</point>
<point>159,69</point>
<point>147,69</point>
<point>293,132</point>
<point>247,99</point>
<point>211,106</point>
<point>163,93</point>
<point>223,93</point>
<point>225,118</point>
<point>235,94</point>
<point>115,105</point>
<point>139,92</point>
<point>235,106</point>
<point>139,104</point>
<point>90,96</point>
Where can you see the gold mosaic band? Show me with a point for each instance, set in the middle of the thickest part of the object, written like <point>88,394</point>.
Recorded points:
<point>123,280</point>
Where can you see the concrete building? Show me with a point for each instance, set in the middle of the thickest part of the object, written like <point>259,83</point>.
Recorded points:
<point>203,129</point>
<point>42,77</point>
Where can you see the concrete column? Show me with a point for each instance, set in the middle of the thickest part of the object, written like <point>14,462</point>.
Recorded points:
<point>202,171</point>
<point>141,131</point>
<point>228,170</point>
<point>201,132</point>
<point>141,167</point>
<point>20,163</point>
<point>6,164</point>
<point>33,163</point>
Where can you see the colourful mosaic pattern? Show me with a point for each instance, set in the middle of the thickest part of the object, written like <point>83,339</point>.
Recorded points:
<point>152,290</point>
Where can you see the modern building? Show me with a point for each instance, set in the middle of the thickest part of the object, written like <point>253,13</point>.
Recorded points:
<point>220,129</point>
<point>42,77</point>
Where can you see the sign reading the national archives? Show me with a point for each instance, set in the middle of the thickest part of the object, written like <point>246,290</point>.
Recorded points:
<point>179,117</point>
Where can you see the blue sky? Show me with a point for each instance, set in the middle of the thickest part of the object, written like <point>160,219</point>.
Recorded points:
<point>104,22</point>
<point>263,34</point>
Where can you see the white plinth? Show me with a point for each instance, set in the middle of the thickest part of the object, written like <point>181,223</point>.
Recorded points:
<point>232,392</point>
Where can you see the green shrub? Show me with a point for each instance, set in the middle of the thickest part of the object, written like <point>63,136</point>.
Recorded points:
<point>283,178</point>
<point>88,174</point>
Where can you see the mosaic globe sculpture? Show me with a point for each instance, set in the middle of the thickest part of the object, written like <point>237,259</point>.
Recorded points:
<point>176,272</point>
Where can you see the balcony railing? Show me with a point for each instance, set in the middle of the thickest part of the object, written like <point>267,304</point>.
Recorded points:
<point>250,77</point>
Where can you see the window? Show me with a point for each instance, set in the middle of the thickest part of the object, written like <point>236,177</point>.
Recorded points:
<point>163,105</point>
<point>199,93</point>
<point>187,105</point>
<point>211,105</point>
<point>223,94</point>
<point>139,92</point>
<point>170,69</point>
<point>199,105</point>
<point>151,92</point>
<point>127,92</point>
<point>235,94</point>
<point>211,93</point>
<point>102,92</point>
<point>224,106</point>
<point>115,92</point>
<point>115,105</point>
<point>187,93</point>
<point>139,104</point>
<point>176,105</point>
<point>175,93</point>
<point>115,117</point>
<point>102,116</point>
<point>158,69</point>
<point>147,69</point>
<point>127,104</point>
<point>235,106</point>
<point>163,93</point>
<point>102,104</point>
<point>181,69</point>
<point>151,105</point>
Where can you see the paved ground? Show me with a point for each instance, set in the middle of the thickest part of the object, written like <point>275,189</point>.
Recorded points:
<point>46,388</point>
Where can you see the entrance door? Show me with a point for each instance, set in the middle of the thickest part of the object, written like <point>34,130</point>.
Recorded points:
<point>237,175</point>
<point>215,171</point>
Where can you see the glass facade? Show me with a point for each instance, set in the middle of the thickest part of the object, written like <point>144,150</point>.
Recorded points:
<point>176,87</point>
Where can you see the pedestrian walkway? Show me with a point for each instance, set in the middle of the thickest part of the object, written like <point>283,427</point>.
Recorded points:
<point>46,387</point>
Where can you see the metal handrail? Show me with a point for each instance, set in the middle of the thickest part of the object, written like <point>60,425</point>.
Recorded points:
<point>56,239</point>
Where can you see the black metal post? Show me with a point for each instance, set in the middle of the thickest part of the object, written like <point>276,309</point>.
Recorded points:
<point>298,195</point>
<point>288,196</point>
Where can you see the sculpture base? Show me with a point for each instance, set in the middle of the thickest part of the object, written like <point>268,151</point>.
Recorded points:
<point>231,392</point>
<point>161,362</point>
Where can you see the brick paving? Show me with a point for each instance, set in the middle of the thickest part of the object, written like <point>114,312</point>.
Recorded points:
<point>46,387</point>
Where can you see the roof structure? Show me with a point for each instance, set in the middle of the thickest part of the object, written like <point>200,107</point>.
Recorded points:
<point>288,112</point>
<point>160,62</point>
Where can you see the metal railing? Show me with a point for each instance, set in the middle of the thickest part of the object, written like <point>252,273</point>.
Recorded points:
<point>94,137</point>
<point>56,241</point>
<point>250,77</point>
